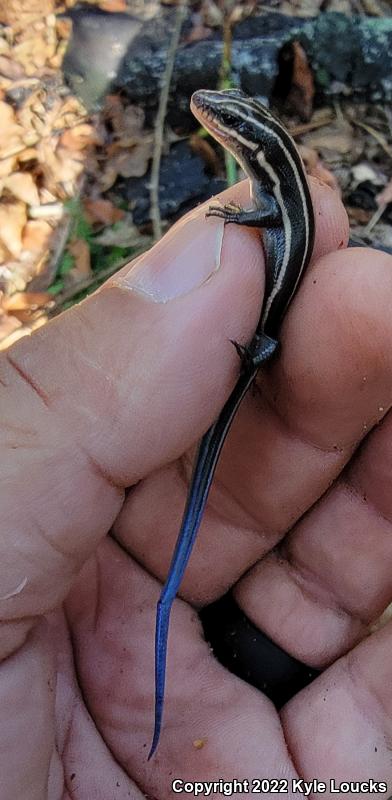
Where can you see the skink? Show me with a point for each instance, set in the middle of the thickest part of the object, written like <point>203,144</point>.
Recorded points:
<point>283,208</point>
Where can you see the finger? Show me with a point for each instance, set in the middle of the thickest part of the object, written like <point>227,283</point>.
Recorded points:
<point>317,594</point>
<point>27,720</point>
<point>332,576</point>
<point>41,701</point>
<point>290,441</point>
<point>340,726</point>
<point>83,765</point>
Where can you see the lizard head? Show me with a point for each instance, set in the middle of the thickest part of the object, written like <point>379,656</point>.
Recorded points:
<point>229,116</point>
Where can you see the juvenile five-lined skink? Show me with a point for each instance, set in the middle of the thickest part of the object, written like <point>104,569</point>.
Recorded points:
<point>283,208</point>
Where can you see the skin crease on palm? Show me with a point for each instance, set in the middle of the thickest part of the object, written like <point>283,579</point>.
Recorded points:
<point>110,396</point>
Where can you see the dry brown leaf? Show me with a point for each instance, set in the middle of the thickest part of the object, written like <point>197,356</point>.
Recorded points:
<point>20,301</point>
<point>22,186</point>
<point>7,165</point>
<point>36,235</point>
<point>309,155</point>
<point>316,168</point>
<point>113,110</point>
<point>46,196</point>
<point>29,154</point>
<point>203,148</point>
<point>108,177</point>
<point>4,46</point>
<point>79,137</point>
<point>325,176</point>
<point>11,133</point>
<point>125,234</point>
<point>8,324</point>
<point>71,113</point>
<point>26,113</point>
<point>302,89</point>
<point>60,168</point>
<point>13,218</point>
<point>132,163</point>
<point>63,27</point>
<point>126,121</point>
<point>358,215</point>
<point>102,211</point>
<point>56,60</point>
<point>5,86</point>
<point>81,270</point>
<point>28,317</point>
<point>15,275</point>
<point>23,330</point>
<point>113,5</point>
<point>38,107</point>
<point>11,69</point>
<point>5,254</point>
<point>42,268</point>
<point>39,114</point>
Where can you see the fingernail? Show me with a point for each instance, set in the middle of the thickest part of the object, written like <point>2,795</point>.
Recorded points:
<point>184,259</point>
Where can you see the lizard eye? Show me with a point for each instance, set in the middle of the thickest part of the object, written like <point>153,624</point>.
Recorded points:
<point>228,118</point>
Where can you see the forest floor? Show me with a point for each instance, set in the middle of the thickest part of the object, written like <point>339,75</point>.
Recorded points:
<point>60,232</point>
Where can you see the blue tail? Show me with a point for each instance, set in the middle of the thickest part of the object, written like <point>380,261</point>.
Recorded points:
<point>203,473</point>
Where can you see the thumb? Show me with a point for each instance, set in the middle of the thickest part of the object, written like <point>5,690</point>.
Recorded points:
<point>113,389</point>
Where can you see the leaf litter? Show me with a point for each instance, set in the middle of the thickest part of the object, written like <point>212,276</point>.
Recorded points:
<point>52,152</point>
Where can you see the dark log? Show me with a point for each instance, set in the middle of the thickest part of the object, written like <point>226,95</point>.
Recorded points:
<point>183,183</point>
<point>120,52</point>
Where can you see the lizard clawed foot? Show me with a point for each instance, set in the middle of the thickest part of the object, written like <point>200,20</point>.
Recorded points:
<point>228,212</point>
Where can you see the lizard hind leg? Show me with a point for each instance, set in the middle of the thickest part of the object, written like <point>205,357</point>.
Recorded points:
<point>261,349</point>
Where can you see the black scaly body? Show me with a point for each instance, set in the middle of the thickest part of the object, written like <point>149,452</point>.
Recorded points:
<point>283,208</point>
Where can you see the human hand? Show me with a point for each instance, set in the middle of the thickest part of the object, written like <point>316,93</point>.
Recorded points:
<point>111,395</point>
